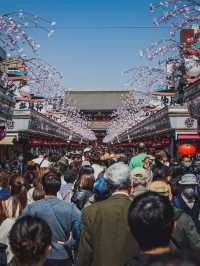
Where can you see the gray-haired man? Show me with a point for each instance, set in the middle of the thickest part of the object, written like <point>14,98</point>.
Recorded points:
<point>105,237</point>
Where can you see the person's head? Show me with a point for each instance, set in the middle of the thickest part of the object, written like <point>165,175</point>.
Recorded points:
<point>161,174</point>
<point>109,162</point>
<point>101,189</point>
<point>63,164</point>
<point>117,177</point>
<point>51,183</point>
<point>86,170</point>
<point>30,240</point>
<point>161,157</point>
<point>139,176</point>
<point>69,176</point>
<point>123,159</point>
<point>146,163</point>
<point>188,184</point>
<point>95,157</point>
<point>151,220</point>
<point>30,176</point>
<point>19,195</point>
<point>142,147</point>
<point>186,162</point>
<point>161,187</point>
<point>4,179</point>
<point>87,177</point>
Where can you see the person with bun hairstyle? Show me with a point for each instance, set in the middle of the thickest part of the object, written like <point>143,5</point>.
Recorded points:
<point>30,241</point>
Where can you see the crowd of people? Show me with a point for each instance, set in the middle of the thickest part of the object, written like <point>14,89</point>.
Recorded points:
<point>100,208</point>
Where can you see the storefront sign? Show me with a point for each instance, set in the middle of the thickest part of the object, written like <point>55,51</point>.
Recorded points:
<point>189,122</point>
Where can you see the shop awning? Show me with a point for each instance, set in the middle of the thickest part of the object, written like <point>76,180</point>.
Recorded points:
<point>189,136</point>
<point>8,140</point>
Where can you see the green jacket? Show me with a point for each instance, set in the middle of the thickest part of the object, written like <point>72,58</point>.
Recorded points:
<point>185,235</point>
<point>137,161</point>
<point>105,236</point>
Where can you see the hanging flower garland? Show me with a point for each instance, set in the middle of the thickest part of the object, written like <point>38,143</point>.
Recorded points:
<point>177,13</point>
<point>128,114</point>
<point>15,38</point>
<point>162,49</point>
<point>45,79</point>
<point>14,32</point>
<point>145,78</point>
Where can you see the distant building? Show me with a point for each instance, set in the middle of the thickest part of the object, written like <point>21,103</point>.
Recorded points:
<point>97,106</point>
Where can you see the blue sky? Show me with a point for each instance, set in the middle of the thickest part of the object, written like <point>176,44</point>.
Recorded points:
<point>92,58</point>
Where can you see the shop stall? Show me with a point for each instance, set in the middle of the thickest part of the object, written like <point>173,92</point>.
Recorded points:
<point>166,129</point>
<point>31,132</point>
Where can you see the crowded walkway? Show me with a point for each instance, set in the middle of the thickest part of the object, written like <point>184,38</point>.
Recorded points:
<point>100,207</point>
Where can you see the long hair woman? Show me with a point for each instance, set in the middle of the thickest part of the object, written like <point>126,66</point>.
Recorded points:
<point>11,209</point>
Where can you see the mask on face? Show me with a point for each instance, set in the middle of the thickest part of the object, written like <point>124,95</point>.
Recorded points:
<point>166,163</point>
<point>187,165</point>
<point>189,192</point>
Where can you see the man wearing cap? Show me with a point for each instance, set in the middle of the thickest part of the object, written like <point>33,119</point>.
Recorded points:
<point>187,200</point>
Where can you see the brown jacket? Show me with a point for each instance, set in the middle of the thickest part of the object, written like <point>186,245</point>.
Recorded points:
<point>105,236</point>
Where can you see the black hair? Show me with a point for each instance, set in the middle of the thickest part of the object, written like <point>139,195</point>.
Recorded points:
<point>51,182</point>
<point>95,157</point>
<point>151,220</point>
<point>86,170</point>
<point>69,176</point>
<point>160,173</point>
<point>160,155</point>
<point>29,238</point>
<point>109,162</point>
<point>123,159</point>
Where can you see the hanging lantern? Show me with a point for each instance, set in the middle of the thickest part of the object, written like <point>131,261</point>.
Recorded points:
<point>187,150</point>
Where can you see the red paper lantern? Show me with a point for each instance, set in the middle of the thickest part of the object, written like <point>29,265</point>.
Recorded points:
<point>187,150</point>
